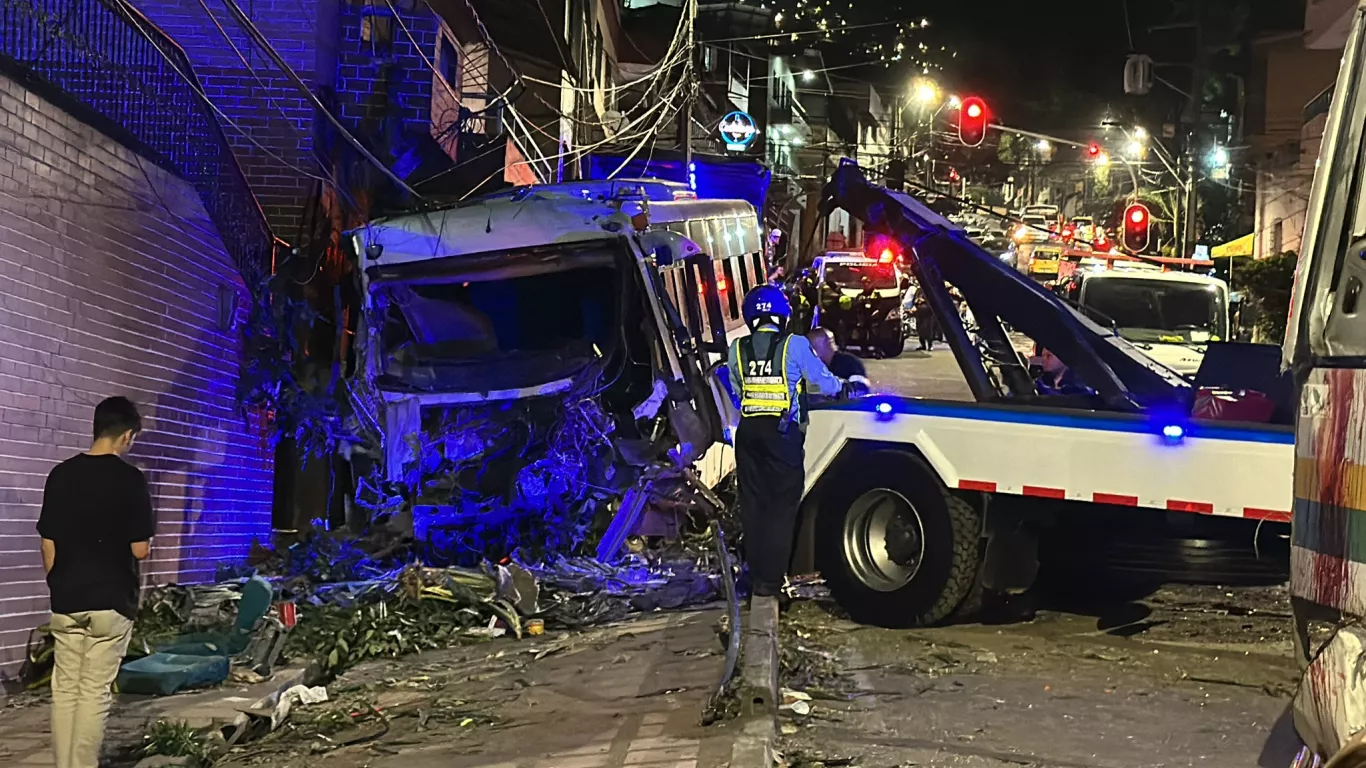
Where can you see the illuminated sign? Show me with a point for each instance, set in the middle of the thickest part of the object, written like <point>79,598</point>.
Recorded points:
<point>738,131</point>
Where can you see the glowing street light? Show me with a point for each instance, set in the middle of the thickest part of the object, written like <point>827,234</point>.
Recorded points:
<point>1218,157</point>
<point>955,102</point>
<point>1135,148</point>
<point>808,75</point>
<point>1102,159</point>
<point>1042,145</point>
<point>1139,133</point>
<point>926,92</point>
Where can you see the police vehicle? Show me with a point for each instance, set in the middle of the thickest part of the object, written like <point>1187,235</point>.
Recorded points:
<point>860,299</point>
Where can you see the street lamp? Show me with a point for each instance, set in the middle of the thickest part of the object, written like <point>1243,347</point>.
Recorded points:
<point>1042,145</point>
<point>955,102</point>
<point>808,75</point>
<point>1136,148</point>
<point>1102,160</point>
<point>1218,157</point>
<point>926,93</point>
<point>1140,134</point>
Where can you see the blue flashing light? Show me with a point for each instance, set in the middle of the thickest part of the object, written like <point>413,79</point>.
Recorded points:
<point>1173,433</point>
<point>883,411</point>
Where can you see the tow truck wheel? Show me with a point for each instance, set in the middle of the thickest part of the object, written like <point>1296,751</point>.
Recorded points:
<point>896,549</point>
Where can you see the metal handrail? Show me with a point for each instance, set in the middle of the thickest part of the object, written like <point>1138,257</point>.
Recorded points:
<point>107,63</point>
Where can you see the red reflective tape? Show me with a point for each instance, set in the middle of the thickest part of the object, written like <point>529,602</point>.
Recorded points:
<point>977,485</point>
<point>1042,492</point>
<point>1199,507</point>
<point>1115,498</point>
<point>1274,515</point>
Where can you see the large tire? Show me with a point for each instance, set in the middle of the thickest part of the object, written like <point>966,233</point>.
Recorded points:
<point>932,563</point>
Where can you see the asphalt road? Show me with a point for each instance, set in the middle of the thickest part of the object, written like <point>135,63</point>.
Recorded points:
<point>933,374</point>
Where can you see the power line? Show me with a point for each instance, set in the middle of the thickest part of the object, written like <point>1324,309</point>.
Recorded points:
<point>809,32</point>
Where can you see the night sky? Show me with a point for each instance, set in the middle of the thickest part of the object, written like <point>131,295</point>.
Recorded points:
<point>1040,65</point>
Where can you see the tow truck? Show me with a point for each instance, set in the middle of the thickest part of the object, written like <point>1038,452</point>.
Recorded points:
<point>913,507</point>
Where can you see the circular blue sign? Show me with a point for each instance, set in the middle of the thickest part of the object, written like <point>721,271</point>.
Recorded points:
<point>738,130</point>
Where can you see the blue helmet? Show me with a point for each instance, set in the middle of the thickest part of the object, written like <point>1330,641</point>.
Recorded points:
<point>766,302</point>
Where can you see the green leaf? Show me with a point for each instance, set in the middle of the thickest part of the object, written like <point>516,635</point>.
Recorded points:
<point>333,658</point>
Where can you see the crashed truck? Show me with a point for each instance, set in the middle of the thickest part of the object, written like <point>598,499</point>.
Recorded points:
<point>914,506</point>
<point>540,362</point>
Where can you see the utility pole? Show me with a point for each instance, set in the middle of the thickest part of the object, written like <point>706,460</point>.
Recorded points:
<point>685,114</point>
<point>1191,118</point>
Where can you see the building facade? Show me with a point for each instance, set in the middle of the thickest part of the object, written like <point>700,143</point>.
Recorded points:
<point>127,243</point>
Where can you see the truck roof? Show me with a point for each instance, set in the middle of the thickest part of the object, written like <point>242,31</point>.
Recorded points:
<point>1143,274</point>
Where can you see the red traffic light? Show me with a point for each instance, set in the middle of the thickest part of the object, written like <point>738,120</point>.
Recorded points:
<point>1093,150</point>
<point>1137,223</point>
<point>972,121</point>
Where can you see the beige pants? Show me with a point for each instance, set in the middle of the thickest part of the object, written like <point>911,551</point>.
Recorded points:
<point>89,649</point>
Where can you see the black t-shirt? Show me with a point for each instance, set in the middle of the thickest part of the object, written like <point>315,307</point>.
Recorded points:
<point>94,507</point>
<point>845,365</point>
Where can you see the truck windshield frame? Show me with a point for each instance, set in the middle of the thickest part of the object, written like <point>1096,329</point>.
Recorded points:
<point>1152,310</point>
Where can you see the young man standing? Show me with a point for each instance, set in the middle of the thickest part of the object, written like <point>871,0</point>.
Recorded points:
<point>96,525</point>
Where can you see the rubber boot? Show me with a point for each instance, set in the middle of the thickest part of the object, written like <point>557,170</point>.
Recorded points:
<point>760,672</point>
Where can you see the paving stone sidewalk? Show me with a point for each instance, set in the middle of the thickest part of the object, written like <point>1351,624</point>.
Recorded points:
<point>628,696</point>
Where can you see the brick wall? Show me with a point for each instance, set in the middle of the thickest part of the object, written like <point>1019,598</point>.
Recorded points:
<point>111,277</point>
<point>387,65</point>
<point>256,97</point>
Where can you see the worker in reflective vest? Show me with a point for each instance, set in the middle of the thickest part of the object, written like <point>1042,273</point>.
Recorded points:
<point>771,371</point>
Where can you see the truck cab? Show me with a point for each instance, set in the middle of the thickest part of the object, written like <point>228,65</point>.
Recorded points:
<point>1171,316</point>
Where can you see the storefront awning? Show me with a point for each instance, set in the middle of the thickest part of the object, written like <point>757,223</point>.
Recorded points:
<point>1239,247</point>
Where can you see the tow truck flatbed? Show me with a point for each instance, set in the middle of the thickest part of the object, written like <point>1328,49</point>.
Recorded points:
<point>1105,458</point>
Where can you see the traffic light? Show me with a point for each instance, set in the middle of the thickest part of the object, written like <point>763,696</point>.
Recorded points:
<point>1092,151</point>
<point>972,121</point>
<point>1136,225</point>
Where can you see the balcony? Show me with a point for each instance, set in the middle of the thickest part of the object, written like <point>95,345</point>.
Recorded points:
<point>110,67</point>
<point>1327,22</point>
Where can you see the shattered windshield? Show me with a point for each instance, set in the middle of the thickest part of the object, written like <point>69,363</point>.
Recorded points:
<point>480,335</point>
<point>1159,310</point>
<point>851,275</point>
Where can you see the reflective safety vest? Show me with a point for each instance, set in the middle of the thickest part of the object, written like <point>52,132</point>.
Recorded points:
<point>763,383</point>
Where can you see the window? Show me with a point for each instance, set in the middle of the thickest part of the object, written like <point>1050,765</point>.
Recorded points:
<point>450,64</point>
<point>730,304</point>
<point>1277,237</point>
<point>377,30</point>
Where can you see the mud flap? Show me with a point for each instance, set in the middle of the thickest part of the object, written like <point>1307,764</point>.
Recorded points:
<point>1330,704</point>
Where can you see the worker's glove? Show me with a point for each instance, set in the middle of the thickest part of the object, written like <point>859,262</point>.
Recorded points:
<point>855,386</point>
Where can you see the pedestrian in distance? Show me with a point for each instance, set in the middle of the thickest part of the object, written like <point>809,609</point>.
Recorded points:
<point>96,526</point>
<point>770,373</point>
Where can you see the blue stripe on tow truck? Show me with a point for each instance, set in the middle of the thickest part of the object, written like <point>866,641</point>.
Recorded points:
<point>1058,417</point>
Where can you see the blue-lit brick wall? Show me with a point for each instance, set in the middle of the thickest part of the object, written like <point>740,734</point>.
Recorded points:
<point>384,84</point>
<point>111,276</point>
<point>258,100</point>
